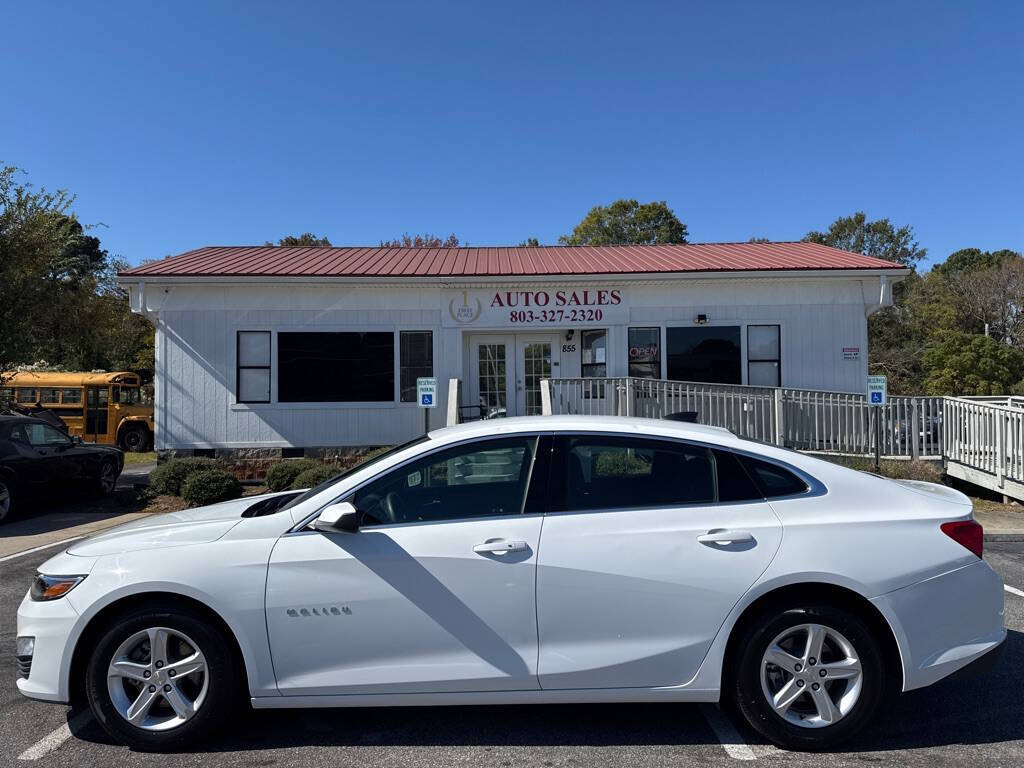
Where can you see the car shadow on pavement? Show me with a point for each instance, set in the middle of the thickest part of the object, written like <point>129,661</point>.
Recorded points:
<point>981,710</point>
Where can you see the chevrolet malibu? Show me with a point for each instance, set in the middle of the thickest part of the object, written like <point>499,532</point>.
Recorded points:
<point>526,561</point>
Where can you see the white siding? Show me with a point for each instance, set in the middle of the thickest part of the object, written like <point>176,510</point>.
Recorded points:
<point>196,327</point>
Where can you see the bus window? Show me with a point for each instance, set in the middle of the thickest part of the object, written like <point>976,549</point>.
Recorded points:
<point>128,396</point>
<point>26,394</point>
<point>49,395</point>
<point>71,396</point>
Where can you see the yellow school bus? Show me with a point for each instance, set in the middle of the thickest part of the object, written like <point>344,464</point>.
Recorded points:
<point>98,407</point>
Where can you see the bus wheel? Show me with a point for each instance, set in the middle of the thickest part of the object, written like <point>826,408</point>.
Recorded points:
<point>133,438</point>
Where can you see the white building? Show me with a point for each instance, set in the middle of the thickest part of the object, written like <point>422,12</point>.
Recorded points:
<point>291,347</point>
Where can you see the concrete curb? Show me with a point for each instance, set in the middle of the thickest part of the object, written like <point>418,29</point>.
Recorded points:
<point>1007,536</point>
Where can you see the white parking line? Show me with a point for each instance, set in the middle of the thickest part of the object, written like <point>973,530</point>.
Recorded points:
<point>52,544</point>
<point>1013,590</point>
<point>55,738</point>
<point>730,739</point>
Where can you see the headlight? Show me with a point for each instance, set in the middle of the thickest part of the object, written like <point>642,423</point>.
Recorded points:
<point>52,587</point>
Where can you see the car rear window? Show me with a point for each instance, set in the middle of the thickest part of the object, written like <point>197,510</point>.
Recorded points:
<point>772,480</point>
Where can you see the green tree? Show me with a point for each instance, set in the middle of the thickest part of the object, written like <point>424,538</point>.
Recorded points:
<point>59,300</point>
<point>958,363</point>
<point>422,241</point>
<point>969,260</point>
<point>871,238</point>
<point>627,222</point>
<point>306,239</point>
<point>530,242</point>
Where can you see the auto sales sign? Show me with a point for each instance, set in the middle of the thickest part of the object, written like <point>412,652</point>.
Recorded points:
<point>533,307</point>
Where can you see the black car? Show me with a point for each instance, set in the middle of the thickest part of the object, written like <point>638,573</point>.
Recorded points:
<point>37,459</point>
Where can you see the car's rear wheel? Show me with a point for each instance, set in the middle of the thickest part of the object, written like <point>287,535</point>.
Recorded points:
<point>809,677</point>
<point>106,481</point>
<point>7,503</point>
<point>162,679</point>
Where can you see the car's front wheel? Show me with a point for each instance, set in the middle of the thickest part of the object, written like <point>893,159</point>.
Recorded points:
<point>7,506</point>
<point>809,677</point>
<point>106,481</point>
<point>162,679</point>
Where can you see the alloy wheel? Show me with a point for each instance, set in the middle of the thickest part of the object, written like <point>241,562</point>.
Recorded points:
<point>811,675</point>
<point>5,500</point>
<point>107,477</point>
<point>158,679</point>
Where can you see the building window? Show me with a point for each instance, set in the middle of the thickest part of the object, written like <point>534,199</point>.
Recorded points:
<point>253,374</point>
<point>764,367</point>
<point>415,359</point>
<point>342,367</point>
<point>705,353</point>
<point>645,352</point>
<point>594,348</point>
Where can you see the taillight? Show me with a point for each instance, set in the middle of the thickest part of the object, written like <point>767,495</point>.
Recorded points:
<point>967,533</point>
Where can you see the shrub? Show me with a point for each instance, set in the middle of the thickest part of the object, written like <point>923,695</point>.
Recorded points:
<point>281,476</point>
<point>313,476</point>
<point>208,486</point>
<point>169,476</point>
<point>616,464</point>
<point>897,469</point>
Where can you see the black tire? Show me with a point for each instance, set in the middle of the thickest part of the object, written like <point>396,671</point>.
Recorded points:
<point>750,700</point>
<point>134,438</point>
<point>106,477</point>
<point>222,699</point>
<point>8,499</point>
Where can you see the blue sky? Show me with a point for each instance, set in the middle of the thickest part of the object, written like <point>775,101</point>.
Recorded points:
<point>180,125</point>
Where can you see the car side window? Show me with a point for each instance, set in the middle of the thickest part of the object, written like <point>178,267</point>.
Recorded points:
<point>18,433</point>
<point>734,482</point>
<point>773,480</point>
<point>479,479</point>
<point>621,472</point>
<point>43,436</point>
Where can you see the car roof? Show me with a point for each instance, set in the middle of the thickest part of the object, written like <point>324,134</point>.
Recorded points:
<point>625,424</point>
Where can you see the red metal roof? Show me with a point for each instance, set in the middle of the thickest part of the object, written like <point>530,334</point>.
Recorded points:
<point>490,261</point>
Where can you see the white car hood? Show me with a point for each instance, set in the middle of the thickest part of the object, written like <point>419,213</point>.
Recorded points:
<point>171,529</point>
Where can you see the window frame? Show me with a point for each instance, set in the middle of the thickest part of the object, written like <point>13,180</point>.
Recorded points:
<point>738,324</point>
<point>557,474</point>
<point>660,363</point>
<point>398,354</point>
<point>777,361</point>
<point>269,367</point>
<point>537,490</point>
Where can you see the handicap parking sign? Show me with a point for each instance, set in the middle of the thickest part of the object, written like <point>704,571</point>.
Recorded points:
<point>426,388</point>
<point>426,399</point>
<point>877,386</point>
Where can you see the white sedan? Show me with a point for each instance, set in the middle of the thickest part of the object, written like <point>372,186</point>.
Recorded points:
<point>531,560</point>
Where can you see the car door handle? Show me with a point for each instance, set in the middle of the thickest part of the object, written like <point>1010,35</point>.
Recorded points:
<point>724,536</point>
<point>499,547</point>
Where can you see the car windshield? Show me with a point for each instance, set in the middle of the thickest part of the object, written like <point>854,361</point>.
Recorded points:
<point>342,475</point>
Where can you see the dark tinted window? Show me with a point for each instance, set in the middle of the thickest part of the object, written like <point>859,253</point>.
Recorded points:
<point>705,353</point>
<point>479,479</point>
<point>772,479</point>
<point>416,359</point>
<point>615,472</point>
<point>734,484</point>
<point>336,367</point>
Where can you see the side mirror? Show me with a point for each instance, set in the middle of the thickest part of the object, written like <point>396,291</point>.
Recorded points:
<point>76,439</point>
<point>342,517</point>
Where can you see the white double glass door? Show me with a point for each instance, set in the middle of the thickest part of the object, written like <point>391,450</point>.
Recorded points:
<point>506,370</point>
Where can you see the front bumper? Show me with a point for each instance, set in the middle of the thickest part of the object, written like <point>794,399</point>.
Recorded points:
<point>51,624</point>
<point>945,623</point>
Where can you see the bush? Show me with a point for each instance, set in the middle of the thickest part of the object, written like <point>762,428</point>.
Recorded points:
<point>208,486</point>
<point>281,476</point>
<point>169,476</point>
<point>929,471</point>
<point>313,476</point>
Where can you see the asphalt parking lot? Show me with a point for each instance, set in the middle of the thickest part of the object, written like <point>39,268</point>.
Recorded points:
<point>977,721</point>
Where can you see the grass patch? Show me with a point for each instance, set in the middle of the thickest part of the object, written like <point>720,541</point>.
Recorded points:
<point>139,458</point>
